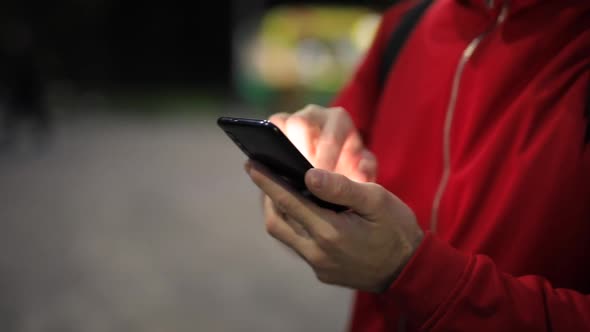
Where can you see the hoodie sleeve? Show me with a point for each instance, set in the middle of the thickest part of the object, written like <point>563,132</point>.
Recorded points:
<point>442,289</point>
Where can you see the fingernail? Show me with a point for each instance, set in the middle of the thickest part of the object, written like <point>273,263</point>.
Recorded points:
<point>365,167</point>
<point>247,166</point>
<point>317,178</point>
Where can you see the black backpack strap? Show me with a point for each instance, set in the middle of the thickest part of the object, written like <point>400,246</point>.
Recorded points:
<point>587,137</point>
<point>398,39</point>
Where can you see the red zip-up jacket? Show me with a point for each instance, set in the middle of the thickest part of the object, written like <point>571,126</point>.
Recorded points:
<point>480,129</point>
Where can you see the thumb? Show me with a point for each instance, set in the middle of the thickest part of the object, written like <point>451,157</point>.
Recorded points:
<point>366,199</point>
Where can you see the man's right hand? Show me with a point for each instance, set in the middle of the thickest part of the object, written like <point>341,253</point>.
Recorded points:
<point>328,139</point>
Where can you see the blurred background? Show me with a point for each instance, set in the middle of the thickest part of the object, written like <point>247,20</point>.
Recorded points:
<point>122,206</point>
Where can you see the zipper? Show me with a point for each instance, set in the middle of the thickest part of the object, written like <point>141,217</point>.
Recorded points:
<point>465,57</point>
<point>446,148</point>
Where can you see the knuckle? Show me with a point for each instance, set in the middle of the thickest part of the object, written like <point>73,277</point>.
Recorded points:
<point>381,196</point>
<point>341,113</point>
<point>265,204</point>
<point>284,203</point>
<point>341,186</point>
<point>312,108</point>
<point>271,225</point>
<point>330,139</point>
<point>338,111</point>
<point>356,143</point>
<point>321,277</point>
<point>317,259</point>
<point>328,239</point>
<point>324,277</point>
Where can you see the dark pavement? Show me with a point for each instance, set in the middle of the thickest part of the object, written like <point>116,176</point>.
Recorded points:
<point>144,224</point>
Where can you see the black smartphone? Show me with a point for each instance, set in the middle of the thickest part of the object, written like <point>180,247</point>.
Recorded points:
<point>264,142</point>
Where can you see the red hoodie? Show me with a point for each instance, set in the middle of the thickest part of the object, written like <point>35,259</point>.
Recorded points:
<point>481,129</point>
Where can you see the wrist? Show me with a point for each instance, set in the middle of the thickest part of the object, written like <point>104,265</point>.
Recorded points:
<point>401,259</point>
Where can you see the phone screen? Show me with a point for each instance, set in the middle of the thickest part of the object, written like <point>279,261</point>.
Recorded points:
<point>262,141</point>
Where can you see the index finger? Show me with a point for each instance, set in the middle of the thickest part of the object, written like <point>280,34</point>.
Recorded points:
<point>304,128</point>
<point>336,130</point>
<point>280,120</point>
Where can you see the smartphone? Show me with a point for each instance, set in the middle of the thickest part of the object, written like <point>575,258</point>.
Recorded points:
<point>264,142</point>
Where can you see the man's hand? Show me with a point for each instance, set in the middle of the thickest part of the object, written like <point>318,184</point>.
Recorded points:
<point>363,249</point>
<point>328,139</point>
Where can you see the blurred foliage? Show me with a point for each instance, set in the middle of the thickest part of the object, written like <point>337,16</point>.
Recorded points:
<point>286,26</point>
<point>302,54</point>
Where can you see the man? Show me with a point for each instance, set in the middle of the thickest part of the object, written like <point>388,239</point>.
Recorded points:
<point>481,219</point>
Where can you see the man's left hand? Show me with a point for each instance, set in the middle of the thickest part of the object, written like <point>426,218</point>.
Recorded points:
<point>364,248</point>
